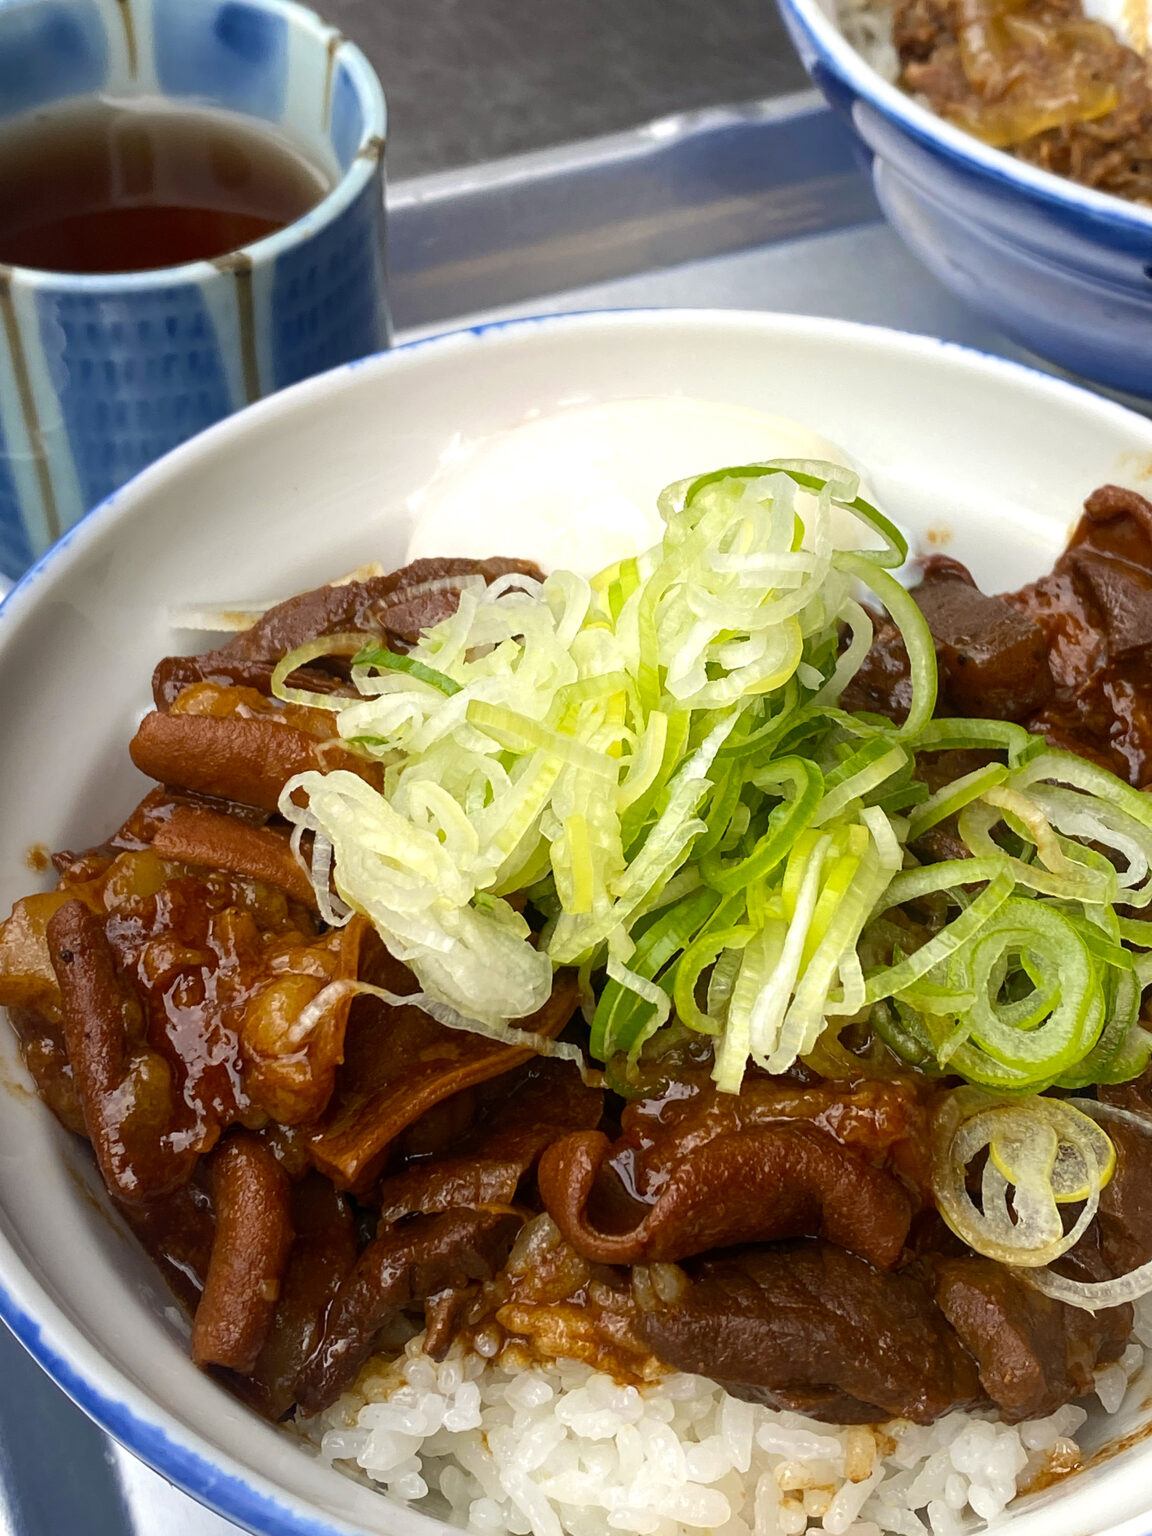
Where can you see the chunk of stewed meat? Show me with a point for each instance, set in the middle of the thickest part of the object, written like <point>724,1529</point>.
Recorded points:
<point>322,1254</point>
<point>1033,1353</point>
<point>406,1262</point>
<point>505,1126</point>
<point>125,1089</point>
<point>696,1169</point>
<point>808,1325</point>
<point>1125,1219</point>
<point>252,1198</point>
<point>392,608</point>
<point>1095,608</point>
<point>992,659</point>
<point>247,760</point>
<point>748,1186</point>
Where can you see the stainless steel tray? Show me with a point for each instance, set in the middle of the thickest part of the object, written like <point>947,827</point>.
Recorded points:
<point>768,205</point>
<point>763,206</point>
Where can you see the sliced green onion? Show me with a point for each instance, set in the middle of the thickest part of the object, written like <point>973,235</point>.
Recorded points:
<point>892,980</point>
<point>785,824</point>
<point>954,797</point>
<point>518,733</point>
<point>312,650</point>
<point>658,760</point>
<point>625,1012</point>
<point>913,627</point>
<point>382,660</point>
<point>1041,1153</point>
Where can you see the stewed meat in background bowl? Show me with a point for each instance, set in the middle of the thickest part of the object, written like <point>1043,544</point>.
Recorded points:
<point>1011,151</point>
<point>486,1164</point>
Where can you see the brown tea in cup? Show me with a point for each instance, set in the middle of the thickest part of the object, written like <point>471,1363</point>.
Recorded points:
<point>118,186</point>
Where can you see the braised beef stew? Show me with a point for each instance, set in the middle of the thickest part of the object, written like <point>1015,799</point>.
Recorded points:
<point>311,1168</point>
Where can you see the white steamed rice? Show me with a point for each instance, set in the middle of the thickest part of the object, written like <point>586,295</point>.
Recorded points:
<point>563,1448</point>
<point>867,25</point>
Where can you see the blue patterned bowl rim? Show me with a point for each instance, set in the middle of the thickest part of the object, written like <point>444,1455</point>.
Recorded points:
<point>347,189</point>
<point>834,50</point>
<point>74,1363</point>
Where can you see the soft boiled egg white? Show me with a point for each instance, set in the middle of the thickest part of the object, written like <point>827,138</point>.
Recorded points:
<point>577,489</point>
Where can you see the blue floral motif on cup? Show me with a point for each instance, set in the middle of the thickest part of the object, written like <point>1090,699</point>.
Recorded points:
<point>234,55</point>
<point>48,50</point>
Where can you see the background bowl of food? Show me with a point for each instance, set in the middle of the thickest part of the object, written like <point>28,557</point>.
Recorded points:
<point>1011,151</point>
<point>543,441</point>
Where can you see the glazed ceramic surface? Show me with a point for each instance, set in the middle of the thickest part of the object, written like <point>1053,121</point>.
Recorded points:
<point>100,375</point>
<point>971,454</point>
<point>1065,270</point>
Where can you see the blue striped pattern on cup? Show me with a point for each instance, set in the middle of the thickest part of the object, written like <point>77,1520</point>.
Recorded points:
<point>100,375</point>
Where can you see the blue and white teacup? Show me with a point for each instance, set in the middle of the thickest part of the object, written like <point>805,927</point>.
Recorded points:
<point>101,374</point>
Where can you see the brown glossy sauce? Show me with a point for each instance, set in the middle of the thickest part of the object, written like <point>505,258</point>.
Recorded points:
<point>1037,78</point>
<point>1067,655</point>
<point>1095,609</point>
<point>313,1187</point>
<point>198,949</point>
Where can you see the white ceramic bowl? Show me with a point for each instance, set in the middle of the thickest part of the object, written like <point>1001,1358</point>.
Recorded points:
<point>987,456</point>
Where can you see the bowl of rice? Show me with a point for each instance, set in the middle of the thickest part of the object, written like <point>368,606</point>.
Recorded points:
<point>1061,266</point>
<point>484,440</point>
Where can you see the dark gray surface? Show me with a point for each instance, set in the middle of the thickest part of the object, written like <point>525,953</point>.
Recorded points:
<point>468,80</point>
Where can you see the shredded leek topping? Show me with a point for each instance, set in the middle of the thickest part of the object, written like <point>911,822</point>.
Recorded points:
<point>658,759</point>
<point>656,763</point>
<point>1041,1154</point>
<point>1093,1295</point>
<point>656,767</point>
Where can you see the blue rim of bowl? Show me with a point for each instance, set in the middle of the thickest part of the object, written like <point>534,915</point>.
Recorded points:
<point>135,1421</point>
<point>935,133</point>
<point>349,185</point>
